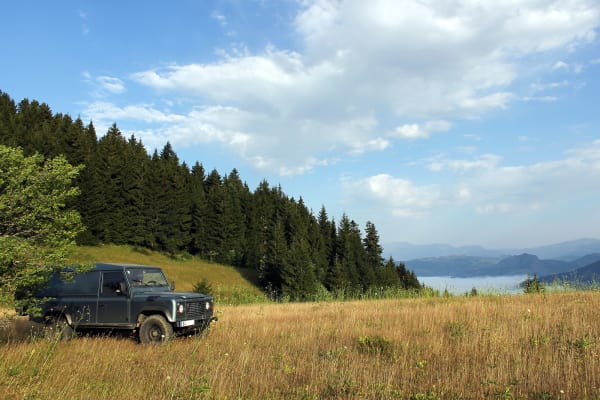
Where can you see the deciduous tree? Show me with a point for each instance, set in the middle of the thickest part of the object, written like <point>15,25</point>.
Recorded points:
<point>37,230</point>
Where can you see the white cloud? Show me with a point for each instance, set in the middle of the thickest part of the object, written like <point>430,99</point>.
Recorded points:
<point>83,17</point>
<point>111,84</point>
<point>576,68</point>
<point>483,162</point>
<point>104,85</point>
<point>400,196</point>
<point>360,61</point>
<point>486,187</point>
<point>424,131</point>
<point>105,111</point>
<point>219,17</point>
<point>539,98</point>
<point>540,87</point>
<point>560,65</point>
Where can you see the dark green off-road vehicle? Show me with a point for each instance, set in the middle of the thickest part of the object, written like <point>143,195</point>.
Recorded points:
<point>135,298</point>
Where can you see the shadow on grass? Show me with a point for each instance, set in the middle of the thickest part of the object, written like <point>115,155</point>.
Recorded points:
<point>20,329</point>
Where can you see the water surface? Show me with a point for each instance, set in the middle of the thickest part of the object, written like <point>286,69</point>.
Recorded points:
<point>506,284</point>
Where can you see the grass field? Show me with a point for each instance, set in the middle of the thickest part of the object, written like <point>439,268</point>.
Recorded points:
<point>543,346</point>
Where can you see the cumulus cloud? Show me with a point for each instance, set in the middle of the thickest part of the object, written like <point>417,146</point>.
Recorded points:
<point>485,186</point>
<point>365,72</point>
<point>400,196</point>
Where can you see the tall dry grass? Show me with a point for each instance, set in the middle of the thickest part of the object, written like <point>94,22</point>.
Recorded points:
<point>504,347</point>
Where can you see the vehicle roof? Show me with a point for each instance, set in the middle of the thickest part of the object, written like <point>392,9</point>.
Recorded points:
<point>119,266</point>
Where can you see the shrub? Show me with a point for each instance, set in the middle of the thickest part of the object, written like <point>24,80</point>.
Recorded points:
<point>375,345</point>
<point>203,286</point>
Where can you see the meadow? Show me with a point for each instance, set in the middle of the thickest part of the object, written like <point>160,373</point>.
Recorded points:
<point>537,346</point>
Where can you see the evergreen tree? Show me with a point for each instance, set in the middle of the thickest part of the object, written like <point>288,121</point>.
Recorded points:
<point>260,222</point>
<point>8,114</point>
<point>198,211</point>
<point>173,203</point>
<point>111,220</point>
<point>275,260</point>
<point>234,220</point>
<point>136,166</point>
<point>214,222</point>
<point>297,273</point>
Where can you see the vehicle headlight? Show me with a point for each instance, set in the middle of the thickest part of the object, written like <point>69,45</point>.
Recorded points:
<point>207,305</point>
<point>180,308</point>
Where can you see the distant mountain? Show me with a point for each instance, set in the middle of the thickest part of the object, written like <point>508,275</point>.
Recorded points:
<point>565,251</point>
<point>460,266</point>
<point>584,276</point>
<point>530,264</point>
<point>523,264</point>
<point>408,251</point>
<point>583,272</point>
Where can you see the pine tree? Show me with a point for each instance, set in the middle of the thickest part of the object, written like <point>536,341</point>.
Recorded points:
<point>198,211</point>
<point>8,115</point>
<point>214,222</point>
<point>234,219</point>
<point>275,260</point>
<point>110,217</point>
<point>136,165</point>
<point>297,273</point>
<point>174,203</point>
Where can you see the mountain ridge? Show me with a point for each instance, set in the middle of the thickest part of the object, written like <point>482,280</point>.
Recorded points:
<point>564,251</point>
<point>522,264</point>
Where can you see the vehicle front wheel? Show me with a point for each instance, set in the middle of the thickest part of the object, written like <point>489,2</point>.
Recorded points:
<point>155,329</point>
<point>57,328</point>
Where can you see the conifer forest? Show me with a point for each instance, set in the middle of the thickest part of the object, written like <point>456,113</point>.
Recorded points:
<point>130,196</point>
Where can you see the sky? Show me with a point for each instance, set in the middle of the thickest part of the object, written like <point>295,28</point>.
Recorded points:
<point>461,122</point>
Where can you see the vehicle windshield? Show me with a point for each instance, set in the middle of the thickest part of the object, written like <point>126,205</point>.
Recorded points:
<point>146,277</point>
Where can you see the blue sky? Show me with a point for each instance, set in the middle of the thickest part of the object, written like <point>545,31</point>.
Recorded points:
<point>458,122</point>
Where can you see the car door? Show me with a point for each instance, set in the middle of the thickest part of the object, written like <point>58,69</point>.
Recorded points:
<point>83,295</point>
<point>113,299</point>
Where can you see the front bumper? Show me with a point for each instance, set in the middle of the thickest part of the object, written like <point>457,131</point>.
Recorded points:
<point>195,323</point>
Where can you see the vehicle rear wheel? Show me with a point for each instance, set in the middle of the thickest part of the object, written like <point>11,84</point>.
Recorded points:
<point>155,329</point>
<point>57,328</point>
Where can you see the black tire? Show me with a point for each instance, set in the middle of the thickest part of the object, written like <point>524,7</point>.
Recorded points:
<point>155,329</point>
<point>57,328</point>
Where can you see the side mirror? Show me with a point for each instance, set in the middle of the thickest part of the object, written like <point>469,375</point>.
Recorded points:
<point>172,285</point>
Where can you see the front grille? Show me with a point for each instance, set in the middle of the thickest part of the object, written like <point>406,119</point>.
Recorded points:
<point>196,310</point>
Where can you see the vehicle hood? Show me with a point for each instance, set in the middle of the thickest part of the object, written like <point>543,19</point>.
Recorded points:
<point>171,295</point>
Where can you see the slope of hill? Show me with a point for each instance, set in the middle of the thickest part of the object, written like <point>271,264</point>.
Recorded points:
<point>459,266</point>
<point>581,277</point>
<point>229,285</point>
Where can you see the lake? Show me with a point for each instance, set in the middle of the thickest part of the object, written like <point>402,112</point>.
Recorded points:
<point>508,284</point>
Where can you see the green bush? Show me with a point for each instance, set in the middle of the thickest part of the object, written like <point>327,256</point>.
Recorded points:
<point>203,286</point>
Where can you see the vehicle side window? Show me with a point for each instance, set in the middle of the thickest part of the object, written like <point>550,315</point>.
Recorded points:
<point>112,284</point>
<point>84,284</point>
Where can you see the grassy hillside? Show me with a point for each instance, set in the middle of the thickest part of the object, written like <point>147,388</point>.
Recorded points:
<point>537,347</point>
<point>230,285</point>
